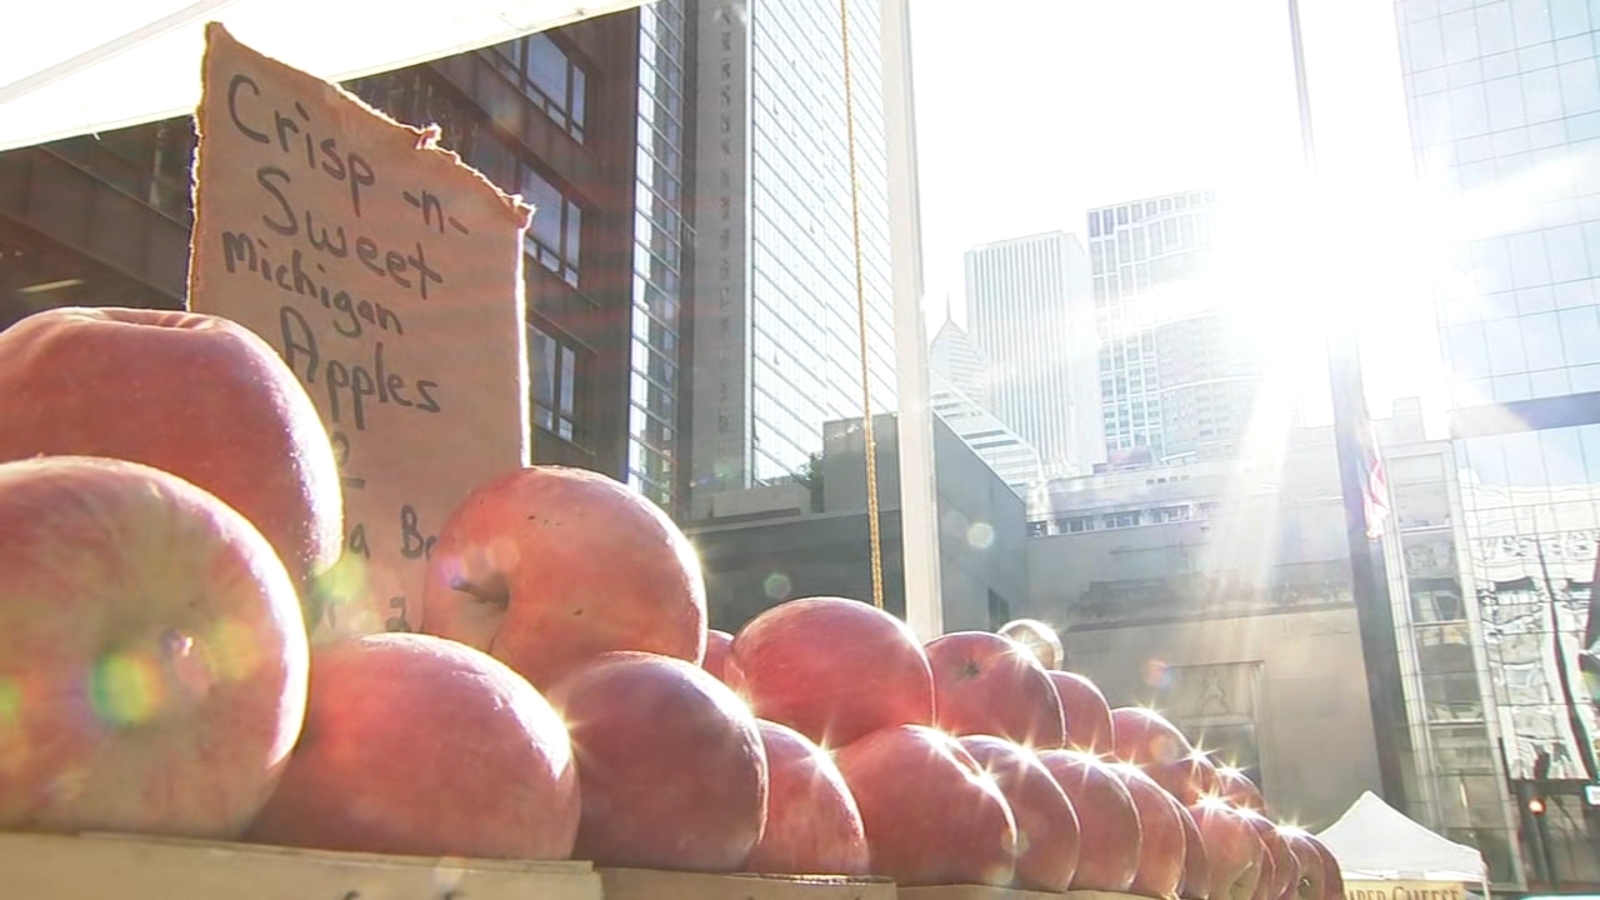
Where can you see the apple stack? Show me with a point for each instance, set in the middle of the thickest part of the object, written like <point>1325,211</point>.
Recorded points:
<point>169,501</point>
<point>972,764</point>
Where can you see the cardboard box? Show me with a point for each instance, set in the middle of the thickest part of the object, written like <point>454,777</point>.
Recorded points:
<point>121,867</point>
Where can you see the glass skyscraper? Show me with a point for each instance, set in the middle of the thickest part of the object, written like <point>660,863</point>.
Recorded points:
<point>1174,378</point>
<point>1504,101</point>
<point>659,234</point>
<point>1028,313</point>
<point>775,345</point>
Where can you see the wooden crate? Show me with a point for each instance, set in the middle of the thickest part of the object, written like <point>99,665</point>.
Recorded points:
<point>121,867</point>
<point>650,884</point>
<point>983,892</point>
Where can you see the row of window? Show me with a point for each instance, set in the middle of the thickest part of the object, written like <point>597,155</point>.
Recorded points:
<point>1107,221</point>
<point>1144,242</point>
<point>555,238</point>
<point>1428,41</point>
<point>547,75</point>
<point>1160,515</point>
<point>1571,90</point>
<point>555,373</point>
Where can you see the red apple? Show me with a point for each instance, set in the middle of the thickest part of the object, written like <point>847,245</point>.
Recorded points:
<point>1189,779</point>
<point>1047,826</point>
<point>1088,715</point>
<point>152,654</point>
<point>1236,788</point>
<point>1108,821</point>
<point>1332,876</point>
<point>195,395</point>
<point>1233,849</point>
<point>1313,880</point>
<point>932,816</point>
<point>813,825</point>
<point>548,567</point>
<point>1196,883</point>
<point>718,644</point>
<point>1144,737</point>
<point>986,684</point>
<point>1284,868</point>
<point>1161,840</point>
<point>834,670</point>
<point>419,746</point>
<point>670,762</point>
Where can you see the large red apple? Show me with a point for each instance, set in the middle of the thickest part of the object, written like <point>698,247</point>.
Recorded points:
<point>1088,715</point>
<point>1332,876</point>
<point>718,645</point>
<point>986,684</point>
<point>1312,884</point>
<point>1237,788</point>
<point>419,746</point>
<point>1108,821</point>
<point>813,825</point>
<point>1280,860</point>
<point>670,762</point>
<point>932,816</point>
<point>834,670</point>
<point>195,395</point>
<point>1190,778</point>
<point>152,654</point>
<point>1047,826</point>
<point>1161,841</point>
<point>548,567</point>
<point>1196,883</point>
<point>1233,849</point>
<point>1144,737</point>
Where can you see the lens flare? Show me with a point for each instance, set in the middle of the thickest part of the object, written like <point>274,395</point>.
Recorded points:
<point>231,651</point>
<point>980,536</point>
<point>10,702</point>
<point>777,586</point>
<point>1157,674</point>
<point>125,689</point>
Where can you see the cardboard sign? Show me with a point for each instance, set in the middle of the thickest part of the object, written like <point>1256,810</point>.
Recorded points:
<point>1404,890</point>
<point>389,277</point>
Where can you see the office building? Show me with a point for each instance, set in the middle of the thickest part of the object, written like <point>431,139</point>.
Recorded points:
<point>1013,459</point>
<point>662,249</point>
<point>772,544</point>
<point>1504,103</point>
<point>776,341</point>
<point>958,378</point>
<point>1220,591</point>
<point>1174,374</point>
<point>1028,313</point>
<point>953,357</point>
<point>557,117</point>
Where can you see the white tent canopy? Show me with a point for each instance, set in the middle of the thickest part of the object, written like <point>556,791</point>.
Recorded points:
<point>1373,841</point>
<point>79,66</point>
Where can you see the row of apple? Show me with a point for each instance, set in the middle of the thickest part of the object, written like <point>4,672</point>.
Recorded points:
<point>156,676</point>
<point>969,762</point>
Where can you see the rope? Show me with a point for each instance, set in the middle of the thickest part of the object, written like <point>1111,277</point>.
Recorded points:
<point>874,537</point>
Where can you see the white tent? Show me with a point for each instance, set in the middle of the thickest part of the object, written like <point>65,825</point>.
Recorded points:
<point>90,65</point>
<point>1373,841</point>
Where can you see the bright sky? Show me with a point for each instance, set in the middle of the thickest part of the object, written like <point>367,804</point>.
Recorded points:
<point>1036,110</point>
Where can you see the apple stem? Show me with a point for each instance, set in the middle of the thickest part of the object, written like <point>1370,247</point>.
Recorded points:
<point>496,592</point>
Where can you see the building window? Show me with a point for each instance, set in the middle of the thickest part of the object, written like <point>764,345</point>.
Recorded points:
<point>548,75</point>
<point>555,237</point>
<point>554,367</point>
